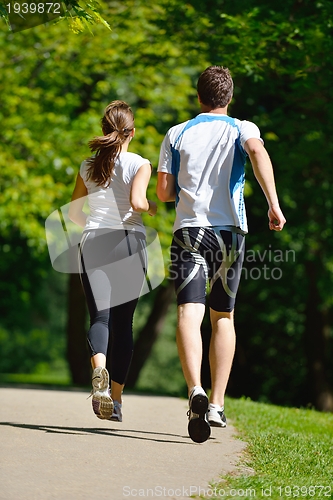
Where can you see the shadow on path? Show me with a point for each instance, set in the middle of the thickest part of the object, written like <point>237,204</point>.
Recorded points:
<point>104,432</point>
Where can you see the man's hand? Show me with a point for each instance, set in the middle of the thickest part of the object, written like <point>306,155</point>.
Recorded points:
<point>276,218</point>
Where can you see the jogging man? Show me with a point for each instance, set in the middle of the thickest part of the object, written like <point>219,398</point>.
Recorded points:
<point>201,168</point>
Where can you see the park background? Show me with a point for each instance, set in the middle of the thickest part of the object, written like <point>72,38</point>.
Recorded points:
<point>55,83</point>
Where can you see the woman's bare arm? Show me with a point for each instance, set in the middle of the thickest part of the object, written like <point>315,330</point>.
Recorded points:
<point>138,196</point>
<point>75,213</point>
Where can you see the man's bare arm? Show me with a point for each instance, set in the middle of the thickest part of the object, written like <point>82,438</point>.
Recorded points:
<point>263,171</point>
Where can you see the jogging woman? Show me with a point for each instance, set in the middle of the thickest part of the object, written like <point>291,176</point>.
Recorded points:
<point>112,256</point>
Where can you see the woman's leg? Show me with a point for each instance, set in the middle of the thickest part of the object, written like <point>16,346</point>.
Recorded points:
<point>120,349</point>
<point>98,333</point>
<point>130,251</point>
<point>98,359</point>
<point>97,290</point>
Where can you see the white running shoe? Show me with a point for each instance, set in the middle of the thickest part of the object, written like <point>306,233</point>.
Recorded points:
<point>216,416</point>
<point>102,403</point>
<point>117,415</point>
<point>198,426</point>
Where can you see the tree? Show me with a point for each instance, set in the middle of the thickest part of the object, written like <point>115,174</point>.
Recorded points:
<point>79,16</point>
<point>288,94</point>
<point>53,98</point>
<point>280,57</point>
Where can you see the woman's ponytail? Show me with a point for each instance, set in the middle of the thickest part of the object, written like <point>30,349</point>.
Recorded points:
<point>117,125</point>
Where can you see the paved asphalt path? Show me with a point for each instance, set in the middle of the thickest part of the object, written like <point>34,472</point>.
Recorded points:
<point>53,447</point>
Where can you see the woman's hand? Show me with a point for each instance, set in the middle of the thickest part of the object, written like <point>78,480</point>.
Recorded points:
<point>152,208</point>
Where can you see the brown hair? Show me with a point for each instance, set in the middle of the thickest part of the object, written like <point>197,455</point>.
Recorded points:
<point>215,87</point>
<point>117,125</point>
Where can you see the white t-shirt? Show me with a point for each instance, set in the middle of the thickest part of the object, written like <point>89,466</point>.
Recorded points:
<point>207,157</point>
<point>110,206</point>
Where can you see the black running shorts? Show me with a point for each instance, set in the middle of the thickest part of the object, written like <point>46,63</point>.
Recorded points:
<point>199,254</point>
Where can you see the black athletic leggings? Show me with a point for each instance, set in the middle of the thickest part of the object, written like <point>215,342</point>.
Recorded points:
<point>112,268</point>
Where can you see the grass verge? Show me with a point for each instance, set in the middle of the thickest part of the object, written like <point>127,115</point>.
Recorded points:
<point>44,379</point>
<point>290,451</point>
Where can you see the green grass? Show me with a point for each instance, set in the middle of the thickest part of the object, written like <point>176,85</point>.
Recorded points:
<point>290,451</point>
<point>56,375</point>
<point>35,379</point>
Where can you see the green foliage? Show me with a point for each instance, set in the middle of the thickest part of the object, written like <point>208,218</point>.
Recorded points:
<point>80,15</point>
<point>288,95</point>
<point>56,84</point>
<point>32,310</point>
<point>83,17</point>
<point>164,359</point>
<point>29,352</point>
<point>4,14</point>
<point>289,451</point>
<point>54,95</point>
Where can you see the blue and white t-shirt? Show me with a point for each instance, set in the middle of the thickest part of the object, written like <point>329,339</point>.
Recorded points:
<point>207,157</point>
<point>110,206</point>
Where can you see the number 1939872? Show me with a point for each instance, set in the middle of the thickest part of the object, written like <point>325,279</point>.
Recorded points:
<point>33,8</point>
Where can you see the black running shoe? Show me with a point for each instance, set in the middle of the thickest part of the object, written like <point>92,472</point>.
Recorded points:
<point>198,426</point>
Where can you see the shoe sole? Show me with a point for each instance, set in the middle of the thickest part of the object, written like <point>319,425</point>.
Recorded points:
<point>102,406</point>
<point>198,427</point>
<point>115,419</point>
<point>213,423</point>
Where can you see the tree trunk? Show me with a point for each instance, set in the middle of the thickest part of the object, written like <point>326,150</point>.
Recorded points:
<point>316,342</point>
<point>77,350</point>
<point>150,332</point>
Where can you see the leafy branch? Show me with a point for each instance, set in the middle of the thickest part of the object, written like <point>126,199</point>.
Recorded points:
<point>80,15</point>
<point>79,18</point>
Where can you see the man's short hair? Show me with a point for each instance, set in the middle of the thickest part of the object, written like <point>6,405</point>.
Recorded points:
<point>215,87</point>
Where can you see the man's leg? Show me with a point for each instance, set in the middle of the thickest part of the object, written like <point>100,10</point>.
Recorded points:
<point>190,272</point>
<point>224,286</point>
<point>221,353</point>
<point>189,341</point>
<point>189,345</point>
